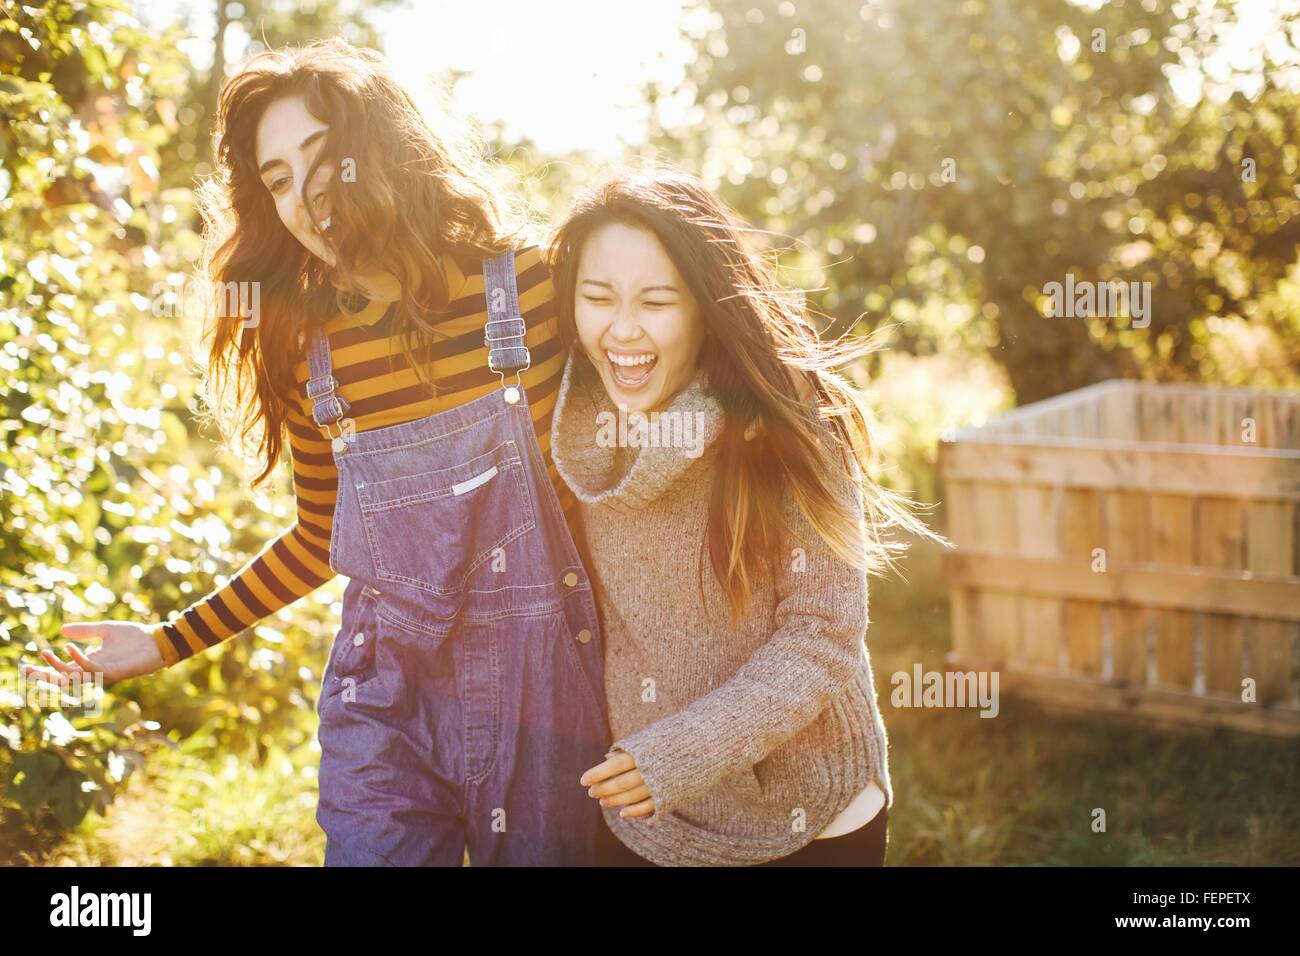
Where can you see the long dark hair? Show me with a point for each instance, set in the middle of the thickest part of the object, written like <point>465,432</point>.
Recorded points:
<point>417,195</point>
<point>763,351</point>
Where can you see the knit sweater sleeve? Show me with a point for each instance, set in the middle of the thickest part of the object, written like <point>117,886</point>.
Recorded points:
<point>817,646</point>
<point>292,565</point>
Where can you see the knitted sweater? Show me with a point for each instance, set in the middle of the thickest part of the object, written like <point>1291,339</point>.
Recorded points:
<point>749,739</point>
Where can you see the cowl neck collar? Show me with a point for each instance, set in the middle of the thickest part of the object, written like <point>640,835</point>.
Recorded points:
<point>626,461</point>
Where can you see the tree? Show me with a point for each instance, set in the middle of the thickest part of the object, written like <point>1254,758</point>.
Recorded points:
<point>973,151</point>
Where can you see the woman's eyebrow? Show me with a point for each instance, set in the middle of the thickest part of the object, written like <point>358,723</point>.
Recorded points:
<point>649,288</point>
<point>301,146</point>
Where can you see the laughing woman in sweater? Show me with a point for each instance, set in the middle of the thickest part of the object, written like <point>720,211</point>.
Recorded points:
<point>721,472</point>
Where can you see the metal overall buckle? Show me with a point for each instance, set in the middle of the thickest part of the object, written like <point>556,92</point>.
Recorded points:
<point>512,391</point>
<point>337,442</point>
<point>490,340</point>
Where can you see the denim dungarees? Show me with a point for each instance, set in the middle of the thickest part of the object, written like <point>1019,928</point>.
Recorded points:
<point>464,694</point>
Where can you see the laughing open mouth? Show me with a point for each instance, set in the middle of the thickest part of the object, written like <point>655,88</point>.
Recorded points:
<point>631,369</point>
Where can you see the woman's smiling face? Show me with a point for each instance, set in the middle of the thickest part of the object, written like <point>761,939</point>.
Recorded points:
<point>288,139</point>
<point>636,320</point>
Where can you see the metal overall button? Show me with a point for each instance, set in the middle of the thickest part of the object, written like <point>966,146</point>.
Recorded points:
<point>353,657</point>
<point>570,579</point>
<point>584,635</point>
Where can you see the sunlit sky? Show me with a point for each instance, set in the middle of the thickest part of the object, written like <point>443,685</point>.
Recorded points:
<point>568,74</point>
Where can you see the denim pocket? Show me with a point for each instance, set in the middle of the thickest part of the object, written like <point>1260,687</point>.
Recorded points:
<point>573,652</point>
<point>431,530</point>
<point>352,660</point>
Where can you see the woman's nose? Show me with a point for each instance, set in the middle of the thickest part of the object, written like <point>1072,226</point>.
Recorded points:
<point>625,327</point>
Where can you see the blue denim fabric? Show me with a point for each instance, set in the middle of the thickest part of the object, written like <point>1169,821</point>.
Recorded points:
<point>464,694</point>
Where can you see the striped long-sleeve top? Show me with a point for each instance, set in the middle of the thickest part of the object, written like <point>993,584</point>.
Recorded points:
<point>383,389</point>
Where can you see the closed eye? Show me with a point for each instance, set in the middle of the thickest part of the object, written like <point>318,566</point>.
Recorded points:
<point>597,300</point>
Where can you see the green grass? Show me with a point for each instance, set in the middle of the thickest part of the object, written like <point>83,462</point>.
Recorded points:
<point>1020,788</point>
<point>191,810</point>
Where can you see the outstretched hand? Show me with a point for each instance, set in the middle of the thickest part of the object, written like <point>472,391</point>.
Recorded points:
<point>125,650</point>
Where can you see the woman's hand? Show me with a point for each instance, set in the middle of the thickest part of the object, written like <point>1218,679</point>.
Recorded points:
<point>125,650</point>
<point>618,783</point>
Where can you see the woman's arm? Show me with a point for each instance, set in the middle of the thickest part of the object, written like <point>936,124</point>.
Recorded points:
<point>291,566</point>
<point>294,564</point>
<point>821,620</point>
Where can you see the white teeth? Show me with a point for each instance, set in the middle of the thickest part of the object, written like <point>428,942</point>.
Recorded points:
<point>325,224</point>
<point>627,361</point>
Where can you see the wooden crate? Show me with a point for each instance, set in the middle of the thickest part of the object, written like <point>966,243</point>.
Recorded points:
<point>1133,548</point>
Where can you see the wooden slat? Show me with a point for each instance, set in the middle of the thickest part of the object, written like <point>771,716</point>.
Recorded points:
<point>1173,546</point>
<point>1201,532</point>
<point>1000,621</point>
<point>962,531</point>
<point>1169,468</point>
<point>1149,585</point>
<point>1128,526</point>
<point>1270,550</point>
<point>1172,710</point>
<point>1171,530</point>
<point>1159,424</point>
<point>1033,413</point>
<point>1037,513</point>
<point>1196,418</point>
<point>1288,422</point>
<point>1129,625</point>
<point>1081,534</point>
<point>1120,414</point>
<point>1221,544</point>
<point>1083,622</point>
<point>1127,520</point>
<point>1240,408</point>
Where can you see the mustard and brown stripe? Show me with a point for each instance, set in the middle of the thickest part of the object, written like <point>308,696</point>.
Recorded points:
<point>382,389</point>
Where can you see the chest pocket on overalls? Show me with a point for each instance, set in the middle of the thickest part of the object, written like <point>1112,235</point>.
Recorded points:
<point>433,529</point>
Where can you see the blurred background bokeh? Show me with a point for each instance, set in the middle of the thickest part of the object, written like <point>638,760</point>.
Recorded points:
<point>921,168</point>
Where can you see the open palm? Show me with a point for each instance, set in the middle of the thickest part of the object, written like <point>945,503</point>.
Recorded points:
<point>125,650</point>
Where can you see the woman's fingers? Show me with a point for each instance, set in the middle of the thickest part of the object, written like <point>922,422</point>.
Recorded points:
<point>125,649</point>
<point>83,630</point>
<point>64,667</point>
<point>618,763</point>
<point>635,795</point>
<point>43,675</point>
<point>620,784</point>
<point>643,809</point>
<point>83,659</point>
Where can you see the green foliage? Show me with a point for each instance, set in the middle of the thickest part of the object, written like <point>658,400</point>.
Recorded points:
<point>970,151</point>
<point>111,508</point>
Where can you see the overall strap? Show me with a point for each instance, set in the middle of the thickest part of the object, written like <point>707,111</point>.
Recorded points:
<point>504,332</point>
<point>327,405</point>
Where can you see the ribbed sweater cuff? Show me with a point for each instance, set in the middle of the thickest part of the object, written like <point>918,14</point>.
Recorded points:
<point>167,639</point>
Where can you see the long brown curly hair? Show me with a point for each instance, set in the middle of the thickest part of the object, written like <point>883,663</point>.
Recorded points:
<point>763,351</point>
<point>417,196</point>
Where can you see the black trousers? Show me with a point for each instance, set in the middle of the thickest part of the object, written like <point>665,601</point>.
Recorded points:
<point>864,846</point>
